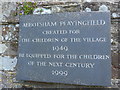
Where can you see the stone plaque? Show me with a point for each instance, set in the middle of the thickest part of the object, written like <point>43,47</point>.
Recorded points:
<point>69,48</point>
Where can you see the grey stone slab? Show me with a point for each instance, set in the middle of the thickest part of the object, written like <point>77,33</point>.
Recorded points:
<point>115,59</point>
<point>3,48</point>
<point>70,48</point>
<point>11,49</point>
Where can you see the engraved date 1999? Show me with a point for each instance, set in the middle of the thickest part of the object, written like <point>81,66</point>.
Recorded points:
<point>59,73</point>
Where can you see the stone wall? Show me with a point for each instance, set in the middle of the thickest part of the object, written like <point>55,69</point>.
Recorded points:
<point>9,29</point>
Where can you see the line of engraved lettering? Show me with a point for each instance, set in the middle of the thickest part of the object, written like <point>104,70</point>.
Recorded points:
<point>80,65</point>
<point>25,40</point>
<point>41,63</point>
<point>84,23</point>
<point>55,64</point>
<point>47,56</point>
<point>45,40</point>
<point>59,72</point>
<point>59,56</point>
<point>94,57</point>
<point>64,39</point>
<point>72,56</point>
<point>68,56</point>
<point>86,39</point>
<point>75,40</point>
<point>101,39</point>
<point>60,32</point>
<point>66,23</point>
<point>30,63</point>
<point>41,24</point>
<point>21,55</point>
<point>60,48</point>
<point>61,64</point>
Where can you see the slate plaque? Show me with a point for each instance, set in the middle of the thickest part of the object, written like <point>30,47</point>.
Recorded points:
<point>69,48</point>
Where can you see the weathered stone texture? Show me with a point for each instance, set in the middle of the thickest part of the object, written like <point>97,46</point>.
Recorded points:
<point>10,28</point>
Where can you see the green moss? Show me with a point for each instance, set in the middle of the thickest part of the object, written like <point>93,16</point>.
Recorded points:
<point>27,8</point>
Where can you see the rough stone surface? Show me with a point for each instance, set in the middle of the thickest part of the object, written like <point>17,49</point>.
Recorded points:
<point>7,63</point>
<point>0,33</point>
<point>3,48</point>
<point>7,8</point>
<point>10,30</point>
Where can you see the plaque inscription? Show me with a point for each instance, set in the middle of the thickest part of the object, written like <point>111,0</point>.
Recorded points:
<point>70,48</point>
